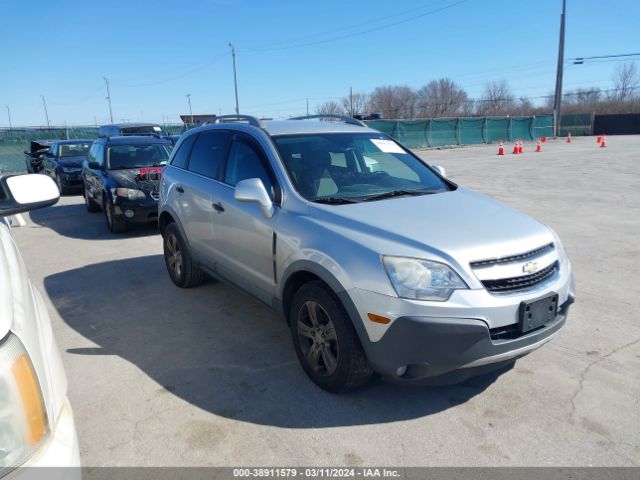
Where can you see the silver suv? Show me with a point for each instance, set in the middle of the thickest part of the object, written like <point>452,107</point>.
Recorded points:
<point>376,260</point>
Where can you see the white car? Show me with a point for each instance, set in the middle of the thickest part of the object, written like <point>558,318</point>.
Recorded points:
<point>36,422</point>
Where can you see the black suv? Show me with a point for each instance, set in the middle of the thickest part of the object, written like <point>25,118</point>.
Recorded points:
<point>121,176</point>
<point>63,163</point>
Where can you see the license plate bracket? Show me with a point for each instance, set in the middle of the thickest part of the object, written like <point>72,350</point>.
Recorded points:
<point>534,314</point>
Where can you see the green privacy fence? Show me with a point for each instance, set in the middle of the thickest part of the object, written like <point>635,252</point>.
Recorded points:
<point>437,132</point>
<point>578,124</point>
<point>13,142</point>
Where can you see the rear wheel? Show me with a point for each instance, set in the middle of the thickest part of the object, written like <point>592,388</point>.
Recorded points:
<point>184,272</point>
<point>325,341</point>
<point>115,224</point>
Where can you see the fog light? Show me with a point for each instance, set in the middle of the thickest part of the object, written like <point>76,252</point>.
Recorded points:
<point>401,370</point>
<point>129,213</point>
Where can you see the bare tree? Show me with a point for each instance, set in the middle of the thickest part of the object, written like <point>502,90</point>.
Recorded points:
<point>497,99</point>
<point>625,80</point>
<point>355,104</point>
<point>393,101</point>
<point>329,108</point>
<point>441,98</point>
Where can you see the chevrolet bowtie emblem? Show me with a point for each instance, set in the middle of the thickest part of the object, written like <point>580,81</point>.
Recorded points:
<point>530,267</point>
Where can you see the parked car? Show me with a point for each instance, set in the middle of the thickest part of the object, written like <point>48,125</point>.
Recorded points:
<point>37,427</point>
<point>172,138</point>
<point>63,163</point>
<point>34,157</point>
<point>395,270</point>
<point>121,129</point>
<point>121,176</point>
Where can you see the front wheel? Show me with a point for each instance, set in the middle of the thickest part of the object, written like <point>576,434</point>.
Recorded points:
<point>325,340</point>
<point>61,188</point>
<point>89,202</point>
<point>183,271</point>
<point>115,224</point>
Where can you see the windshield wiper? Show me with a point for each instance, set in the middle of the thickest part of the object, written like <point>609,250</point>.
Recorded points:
<point>335,200</point>
<point>398,193</point>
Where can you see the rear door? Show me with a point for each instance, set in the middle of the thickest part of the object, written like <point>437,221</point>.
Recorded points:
<point>195,192</point>
<point>244,238</point>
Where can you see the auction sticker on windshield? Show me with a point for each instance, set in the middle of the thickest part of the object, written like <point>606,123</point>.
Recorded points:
<point>387,146</point>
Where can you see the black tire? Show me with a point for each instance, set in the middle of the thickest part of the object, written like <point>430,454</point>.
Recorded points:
<point>183,271</point>
<point>335,361</point>
<point>61,189</point>
<point>91,205</point>
<point>114,224</point>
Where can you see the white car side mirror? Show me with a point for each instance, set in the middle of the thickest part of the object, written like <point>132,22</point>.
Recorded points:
<point>21,193</point>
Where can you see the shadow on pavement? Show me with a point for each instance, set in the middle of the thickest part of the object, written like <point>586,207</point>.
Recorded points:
<point>73,221</point>
<point>216,348</point>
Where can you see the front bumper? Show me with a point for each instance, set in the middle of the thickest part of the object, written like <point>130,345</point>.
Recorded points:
<point>144,211</point>
<point>71,180</point>
<point>60,454</point>
<point>470,334</point>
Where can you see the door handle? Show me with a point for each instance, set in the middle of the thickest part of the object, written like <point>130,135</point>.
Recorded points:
<point>179,189</point>
<point>218,207</point>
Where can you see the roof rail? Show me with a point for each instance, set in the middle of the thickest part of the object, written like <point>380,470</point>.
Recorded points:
<point>255,121</point>
<point>344,118</point>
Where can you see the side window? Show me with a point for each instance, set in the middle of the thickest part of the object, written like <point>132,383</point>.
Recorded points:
<point>207,154</point>
<point>181,156</point>
<point>244,161</point>
<point>91,156</point>
<point>99,153</point>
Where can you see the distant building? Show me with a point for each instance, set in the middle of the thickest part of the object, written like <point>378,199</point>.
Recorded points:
<point>197,119</point>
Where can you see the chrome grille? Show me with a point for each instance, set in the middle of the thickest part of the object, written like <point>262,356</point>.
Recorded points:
<point>513,258</point>
<point>524,282</point>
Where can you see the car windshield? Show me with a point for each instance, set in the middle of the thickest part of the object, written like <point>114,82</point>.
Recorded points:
<point>352,167</point>
<point>137,156</point>
<point>74,149</point>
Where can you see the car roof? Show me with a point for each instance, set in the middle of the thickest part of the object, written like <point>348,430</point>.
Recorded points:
<point>293,127</point>
<point>126,125</point>
<point>79,140</point>
<point>134,140</point>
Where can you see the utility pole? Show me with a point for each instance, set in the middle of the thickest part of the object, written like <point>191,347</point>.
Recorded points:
<point>307,107</point>
<point>108,97</point>
<point>235,76</point>
<point>558,94</point>
<point>9,114</point>
<point>188,95</point>
<point>351,101</point>
<point>46,114</point>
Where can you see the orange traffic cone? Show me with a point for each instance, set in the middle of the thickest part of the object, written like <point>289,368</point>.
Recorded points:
<point>569,138</point>
<point>539,147</point>
<point>604,142</point>
<point>516,149</point>
<point>501,148</point>
<point>521,147</point>
<point>599,139</point>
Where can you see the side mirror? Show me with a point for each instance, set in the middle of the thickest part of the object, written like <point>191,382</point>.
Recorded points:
<point>252,190</point>
<point>440,169</point>
<point>21,193</point>
<point>94,166</point>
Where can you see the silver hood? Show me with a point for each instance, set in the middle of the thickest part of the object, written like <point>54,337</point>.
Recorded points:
<point>459,226</point>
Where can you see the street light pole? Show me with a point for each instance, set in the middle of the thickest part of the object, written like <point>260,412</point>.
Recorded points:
<point>235,76</point>
<point>109,99</point>
<point>188,95</point>
<point>9,115</point>
<point>558,94</point>
<point>46,114</point>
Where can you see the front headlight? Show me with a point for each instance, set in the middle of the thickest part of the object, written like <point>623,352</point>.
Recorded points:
<point>422,279</point>
<point>558,243</point>
<point>23,418</point>
<point>130,193</point>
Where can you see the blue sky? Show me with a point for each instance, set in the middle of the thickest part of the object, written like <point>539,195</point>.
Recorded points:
<point>156,52</point>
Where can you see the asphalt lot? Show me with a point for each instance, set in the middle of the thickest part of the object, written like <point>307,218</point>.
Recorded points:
<point>162,376</point>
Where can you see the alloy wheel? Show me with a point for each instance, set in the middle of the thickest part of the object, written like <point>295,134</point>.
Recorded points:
<point>174,255</point>
<point>317,338</point>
